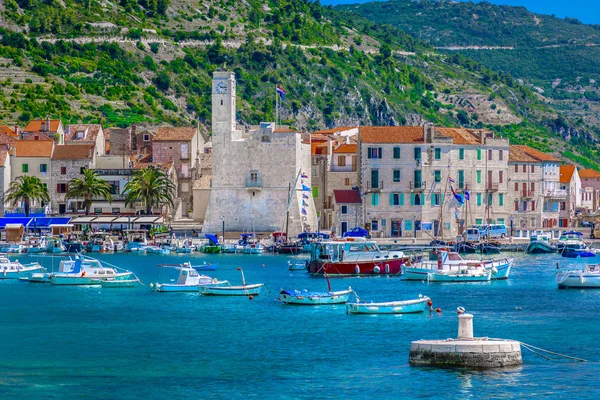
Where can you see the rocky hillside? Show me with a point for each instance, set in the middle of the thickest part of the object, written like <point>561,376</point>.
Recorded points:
<point>136,60</point>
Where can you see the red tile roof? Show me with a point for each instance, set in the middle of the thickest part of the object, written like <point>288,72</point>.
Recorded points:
<point>36,125</point>
<point>34,148</point>
<point>171,134</point>
<point>391,134</point>
<point>6,130</point>
<point>5,139</point>
<point>566,173</point>
<point>37,136</point>
<point>335,130</point>
<point>347,196</point>
<point>517,154</point>
<point>346,148</point>
<point>72,152</point>
<point>459,135</point>
<point>3,157</point>
<point>589,173</point>
<point>91,132</point>
<point>537,154</point>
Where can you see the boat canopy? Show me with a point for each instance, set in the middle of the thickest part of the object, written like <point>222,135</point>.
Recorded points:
<point>313,235</point>
<point>212,239</point>
<point>572,233</point>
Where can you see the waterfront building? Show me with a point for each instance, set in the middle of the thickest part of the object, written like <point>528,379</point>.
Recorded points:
<point>347,211</point>
<point>258,175</point>
<point>46,128</point>
<point>5,175</point>
<point>132,140</point>
<point>525,184</point>
<point>576,200</point>
<point>67,162</point>
<point>182,146</point>
<point>88,134</point>
<point>590,183</point>
<point>405,174</point>
<point>334,159</point>
<point>32,158</point>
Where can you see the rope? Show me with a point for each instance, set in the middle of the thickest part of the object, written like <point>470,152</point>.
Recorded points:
<point>530,347</point>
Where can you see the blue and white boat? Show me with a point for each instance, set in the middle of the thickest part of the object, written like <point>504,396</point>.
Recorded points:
<point>188,280</point>
<point>244,289</point>
<point>567,238</point>
<point>136,240</point>
<point>576,250</point>
<point>540,244</point>
<point>54,246</point>
<point>158,250</point>
<point>587,278</point>
<point>447,264</point>
<point>390,307</point>
<point>308,298</point>
<point>185,247</point>
<point>16,270</point>
<point>87,271</point>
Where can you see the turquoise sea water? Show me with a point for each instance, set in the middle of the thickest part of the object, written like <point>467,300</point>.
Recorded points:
<point>93,343</point>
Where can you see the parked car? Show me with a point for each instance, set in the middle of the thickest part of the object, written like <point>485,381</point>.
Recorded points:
<point>357,232</point>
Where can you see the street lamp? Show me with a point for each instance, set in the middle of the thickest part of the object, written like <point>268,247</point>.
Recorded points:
<point>223,227</point>
<point>512,221</point>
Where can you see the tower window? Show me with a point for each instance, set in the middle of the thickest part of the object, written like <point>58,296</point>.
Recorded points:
<point>221,102</point>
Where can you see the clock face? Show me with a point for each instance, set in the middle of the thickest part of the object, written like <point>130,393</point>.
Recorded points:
<point>221,87</point>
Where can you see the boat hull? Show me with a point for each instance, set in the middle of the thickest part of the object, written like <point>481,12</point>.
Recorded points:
<point>540,248</point>
<point>122,283</point>
<point>19,273</point>
<point>457,277</point>
<point>166,288</point>
<point>85,280</point>
<point>391,307</point>
<point>243,290</point>
<point>387,267</point>
<point>577,254</point>
<point>295,297</point>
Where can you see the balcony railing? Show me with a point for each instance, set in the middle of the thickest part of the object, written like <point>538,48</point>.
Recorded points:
<point>104,172</point>
<point>492,187</point>
<point>556,194</point>
<point>527,194</point>
<point>254,183</point>
<point>374,186</point>
<point>418,186</point>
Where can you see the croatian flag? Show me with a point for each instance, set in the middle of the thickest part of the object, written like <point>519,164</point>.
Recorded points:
<point>281,92</point>
<point>303,175</point>
<point>467,195</point>
<point>304,196</point>
<point>457,196</point>
<point>306,188</point>
<point>451,180</point>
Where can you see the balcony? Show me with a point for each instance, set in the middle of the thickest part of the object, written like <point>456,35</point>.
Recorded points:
<point>527,194</point>
<point>418,186</point>
<point>556,194</point>
<point>254,184</point>
<point>374,186</point>
<point>492,187</point>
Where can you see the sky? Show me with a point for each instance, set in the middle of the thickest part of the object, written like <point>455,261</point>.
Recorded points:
<point>587,11</point>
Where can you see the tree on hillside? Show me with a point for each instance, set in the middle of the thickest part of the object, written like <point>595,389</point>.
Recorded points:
<point>150,186</point>
<point>88,188</point>
<point>27,189</point>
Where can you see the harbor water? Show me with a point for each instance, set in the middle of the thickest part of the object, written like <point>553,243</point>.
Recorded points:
<point>63,342</point>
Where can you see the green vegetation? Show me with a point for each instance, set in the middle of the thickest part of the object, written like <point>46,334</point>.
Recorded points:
<point>26,189</point>
<point>88,188</point>
<point>150,186</point>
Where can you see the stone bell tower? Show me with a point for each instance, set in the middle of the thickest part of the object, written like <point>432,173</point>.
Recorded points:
<point>224,126</point>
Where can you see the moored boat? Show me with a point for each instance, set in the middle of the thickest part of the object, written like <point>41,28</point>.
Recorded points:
<point>577,250</point>
<point>308,298</point>
<point>298,266</point>
<point>15,270</point>
<point>228,290</point>
<point>489,248</point>
<point>354,257</point>
<point>213,246</point>
<point>540,244</point>
<point>390,307</point>
<point>587,278</point>
<point>466,247</point>
<point>189,280</point>
<point>448,262</point>
<point>461,275</point>
<point>87,271</point>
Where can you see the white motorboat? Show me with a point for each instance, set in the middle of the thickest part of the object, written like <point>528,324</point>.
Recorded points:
<point>461,275</point>
<point>87,271</point>
<point>136,240</point>
<point>298,266</point>
<point>189,280</point>
<point>445,263</point>
<point>390,307</point>
<point>587,278</point>
<point>228,290</point>
<point>16,270</point>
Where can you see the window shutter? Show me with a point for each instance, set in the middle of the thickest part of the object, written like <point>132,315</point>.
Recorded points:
<point>391,199</point>
<point>401,199</point>
<point>433,199</point>
<point>368,152</point>
<point>442,199</point>
<point>58,187</point>
<point>66,187</point>
<point>412,199</point>
<point>380,152</point>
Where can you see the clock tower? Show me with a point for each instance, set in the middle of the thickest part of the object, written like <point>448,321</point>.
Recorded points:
<point>224,127</point>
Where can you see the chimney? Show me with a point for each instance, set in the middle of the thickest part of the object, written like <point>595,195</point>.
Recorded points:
<point>43,126</point>
<point>17,130</point>
<point>428,131</point>
<point>47,123</point>
<point>14,150</point>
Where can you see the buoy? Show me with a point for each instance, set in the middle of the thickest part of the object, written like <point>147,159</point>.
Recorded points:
<point>438,310</point>
<point>429,302</point>
<point>151,284</point>
<point>376,270</point>
<point>250,297</point>
<point>460,310</point>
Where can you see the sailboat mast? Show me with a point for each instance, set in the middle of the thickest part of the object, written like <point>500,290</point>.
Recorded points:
<point>287,215</point>
<point>441,227</point>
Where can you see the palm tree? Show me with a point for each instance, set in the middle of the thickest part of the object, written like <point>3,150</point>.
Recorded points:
<point>27,189</point>
<point>88,188</point>
<point>151,186</point>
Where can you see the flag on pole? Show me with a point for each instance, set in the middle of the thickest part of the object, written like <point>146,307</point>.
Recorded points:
<point>304,212</point>
<point>303,175</point>
<point>304,195</point>
<point>456,213</point>
<point>304,204</point>
<point>281,92</point>
<point>306,188</point>
<point>467,195</point>
<point>457,196</point>
<point>450,180</point>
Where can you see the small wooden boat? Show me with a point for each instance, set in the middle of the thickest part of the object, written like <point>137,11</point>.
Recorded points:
<point>462,275</point>
<point>466,247</point>
<point>188,280</point>
<point>390,307</point>
<point>306,298</point>
<point>587,278</point>
<point>227,290</point>
<point>489,248</point>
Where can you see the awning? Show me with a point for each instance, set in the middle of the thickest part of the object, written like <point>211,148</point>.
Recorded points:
<point>46,222</point>
<point>83,220</point>
<point>103,220</point>
<point>149,220</point>
<point>123,220</point>
<point>18,220</point>
<point>13,226</point>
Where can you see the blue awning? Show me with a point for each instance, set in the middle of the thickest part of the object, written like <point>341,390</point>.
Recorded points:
<point>33,222</point>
